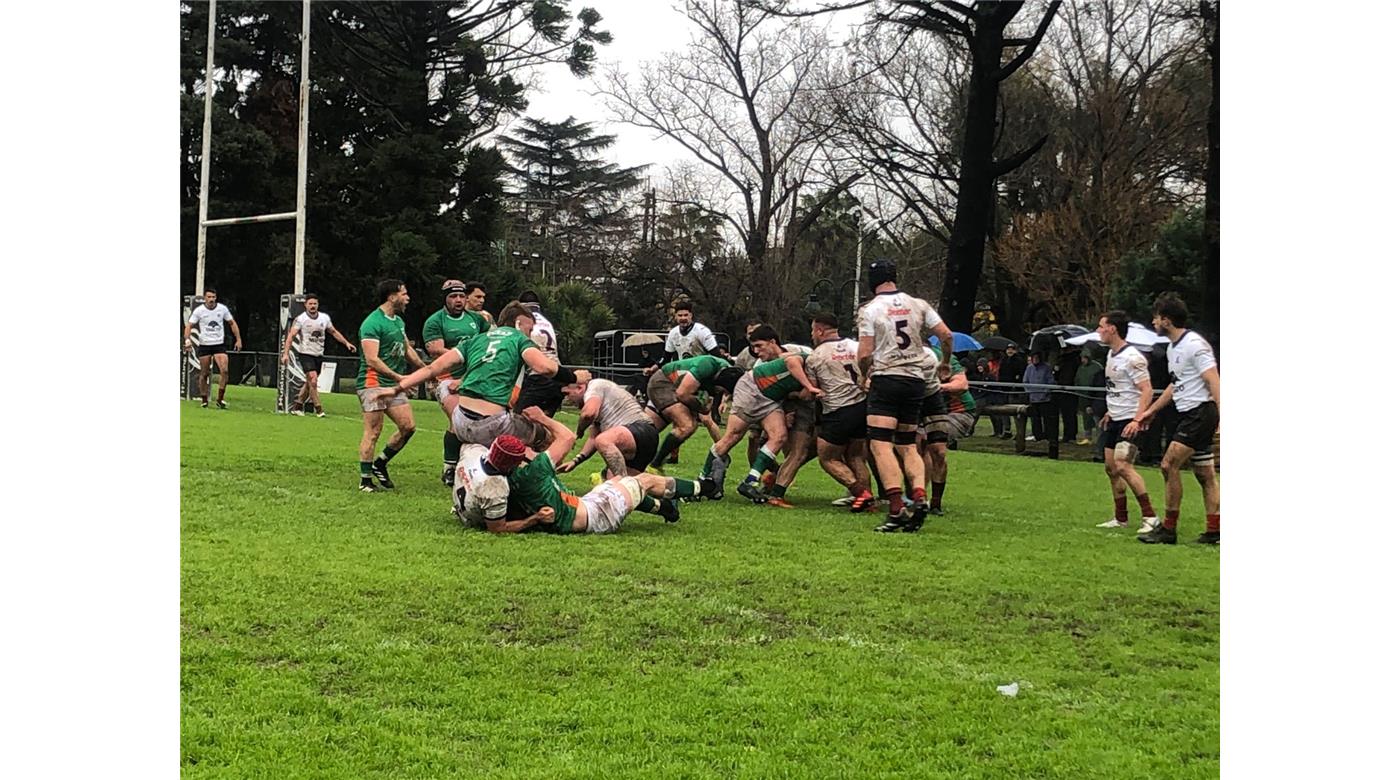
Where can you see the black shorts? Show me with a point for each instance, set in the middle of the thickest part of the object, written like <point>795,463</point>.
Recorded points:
<point>310,363</point>
<point>1196,428</point>
<point>646,437</point>
<point>844,425</point>
<point>205,350</point>
<point>540,391</point>
<point>900,397</point>
<point>933,406</point>
<point>1110,436</point>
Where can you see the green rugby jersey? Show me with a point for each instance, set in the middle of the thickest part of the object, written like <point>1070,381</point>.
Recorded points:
<point>703,367</point>
<point>495,366</point>
<point>453,331</point>
<point>958,403</point>
<point>774,379</point>
<point>393,348</point>
<point>534,485</point>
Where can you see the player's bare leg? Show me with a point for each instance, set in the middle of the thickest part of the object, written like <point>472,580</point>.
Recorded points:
<point>221,360</point>
<point>717,460</point>
<point>1176,456</point>
<point>402,416</point>
<point>801,449</point>
<point>682,426</point>
<point>310,392</point>
<point>616,446</point>
<point>373,425</point>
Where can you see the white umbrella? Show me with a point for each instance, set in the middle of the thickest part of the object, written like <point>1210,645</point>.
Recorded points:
<point>642,339</point>
<point>1138,335</point>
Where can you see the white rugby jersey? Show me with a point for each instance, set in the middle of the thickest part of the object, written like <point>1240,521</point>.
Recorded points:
<point>619,406</point>
<point>209,324</point>
<point>476,495</point>
<point>834,368</point>
<point>311,334</point>
<point>897,321</point>
<point>745,358</point>
<point>697,341</point>
<point>543,335</point>
<point>1122,371</point>
<point>1187,358</point>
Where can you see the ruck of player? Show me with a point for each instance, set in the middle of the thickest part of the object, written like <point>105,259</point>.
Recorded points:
<point>882,406</point>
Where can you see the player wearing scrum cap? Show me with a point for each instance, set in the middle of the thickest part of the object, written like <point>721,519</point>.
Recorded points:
<point>481,488</point>
<point>309,330</point>
<point>539,500</point>
<point>892,328</point>
<point>1195,390</point>
<point>1129,395</point>
<point>619,428</point>
<point>460,318</point>
<point>496,363</point>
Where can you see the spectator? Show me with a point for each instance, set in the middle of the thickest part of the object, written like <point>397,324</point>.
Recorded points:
<point>978,373</point>
<point>994,395</point>
<point>1011,370</point>
<point>1090,374</point>
<point>1066,401</point>
<point>1045,420</point>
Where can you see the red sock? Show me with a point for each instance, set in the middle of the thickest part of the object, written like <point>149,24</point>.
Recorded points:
<point>938,493</point>
<point>1213,523</point>
<point>1170,522</point>
<point>1145,503</point>
<point>918,495</point>
<point>896,498</point>
<point>1120,508</point>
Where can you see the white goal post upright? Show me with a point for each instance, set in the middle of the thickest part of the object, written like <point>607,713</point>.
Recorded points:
<point>304,101</point>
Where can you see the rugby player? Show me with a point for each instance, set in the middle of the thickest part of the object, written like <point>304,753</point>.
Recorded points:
<point>619,428</point>
<point>1129,396</point>
<point>384,357</point>
<point>211,318</point>
<point>312,326</point>
<point>461,317</point>
<point>948,419</point>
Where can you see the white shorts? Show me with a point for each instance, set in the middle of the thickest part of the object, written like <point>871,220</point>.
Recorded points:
<point>610,502</point>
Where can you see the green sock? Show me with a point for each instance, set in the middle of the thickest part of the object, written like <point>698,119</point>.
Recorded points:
<point>364,470</point>
<point>669,444</point>
<point>388,453</point>
<point>684,488</point>
<point>762,463</point>
<point>650,505</point>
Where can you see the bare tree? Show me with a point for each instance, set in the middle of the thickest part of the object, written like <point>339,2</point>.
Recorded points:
<point>736,98</point>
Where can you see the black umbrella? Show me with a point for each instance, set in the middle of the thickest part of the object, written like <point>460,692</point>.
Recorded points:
<point>997,342</point>
<point>1053,337</point>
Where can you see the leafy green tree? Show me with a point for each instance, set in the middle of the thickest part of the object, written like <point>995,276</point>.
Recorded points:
<point>577,312</point>
<point>399,183</point>
<point>1176,262</point>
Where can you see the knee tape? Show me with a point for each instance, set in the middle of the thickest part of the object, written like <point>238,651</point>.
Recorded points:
<point>905,437</point>
<point>1199,459</point>
<point>1125,450</point>
<point>880,434</point>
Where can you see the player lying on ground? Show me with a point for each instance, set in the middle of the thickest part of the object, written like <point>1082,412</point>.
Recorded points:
<point>480,488</point>
<point>538,500</point>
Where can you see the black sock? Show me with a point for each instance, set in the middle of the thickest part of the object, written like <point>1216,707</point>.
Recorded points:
<point>777,491</point>
<point>451,448</point>
<point>662,452</point>
<point>649,504</point>
<point>388,454</point>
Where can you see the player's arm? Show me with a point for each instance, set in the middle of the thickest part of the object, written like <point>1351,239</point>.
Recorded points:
<point>945,346</point>
<point>688,388</point>
<point>1157,405</point>
<point>1144,386</point>
<point>371,356</point>
<point>442,365</point>
<point>185,339</point>
<point>710,344</point>
<point>237,337</point>
<point>343,340</point>
<point>544,516</point>
<point>563,437</point>
<point>1212,379</point>
<point>588,413</point>
<point>544,365</point>
<point>433,340</point>
<point>589,447</point>
<point>794,364</point>
<point>287,345</point>
<point>956,383</point>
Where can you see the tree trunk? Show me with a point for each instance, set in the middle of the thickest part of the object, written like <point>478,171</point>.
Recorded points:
<point>1211,13</point>
<point>977,174</point>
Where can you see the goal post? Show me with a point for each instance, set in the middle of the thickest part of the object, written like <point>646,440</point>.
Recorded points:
<point>299,215</point>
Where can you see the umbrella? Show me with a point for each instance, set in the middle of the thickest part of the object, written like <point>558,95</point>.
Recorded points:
<point>1055,336</point>
<point>642,339</point>
<point>997,342</point>
<point>961,342</point>
<point>1138,335</point>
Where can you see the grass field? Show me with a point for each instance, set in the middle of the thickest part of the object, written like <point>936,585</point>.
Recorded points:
<point>329,633</point>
